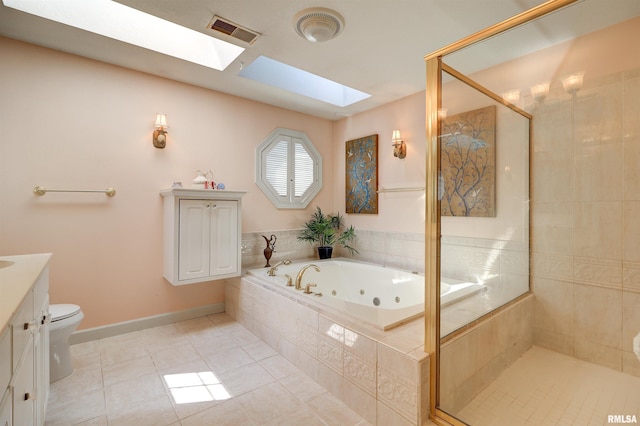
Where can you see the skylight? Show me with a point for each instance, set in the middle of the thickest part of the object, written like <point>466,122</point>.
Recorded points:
<point>274,73</point>
<point>120,22</point>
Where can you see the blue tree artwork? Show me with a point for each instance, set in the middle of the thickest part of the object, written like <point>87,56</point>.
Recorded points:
<point>362,175</point>
<point>468,157</point>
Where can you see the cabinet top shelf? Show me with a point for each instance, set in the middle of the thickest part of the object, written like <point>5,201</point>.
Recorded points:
<point>212,194</point>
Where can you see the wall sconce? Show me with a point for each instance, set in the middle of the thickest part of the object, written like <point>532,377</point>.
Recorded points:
<point>572,83</point>
<point>540,91</point>
<point>159,135</point>
<point>399,147</point>
<point>512,96</point>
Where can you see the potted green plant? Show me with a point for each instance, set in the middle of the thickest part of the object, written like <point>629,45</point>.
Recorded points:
<point>327,230</point>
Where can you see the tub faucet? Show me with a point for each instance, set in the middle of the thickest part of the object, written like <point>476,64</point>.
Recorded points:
<point>301,273</point>
<point>272,272</point>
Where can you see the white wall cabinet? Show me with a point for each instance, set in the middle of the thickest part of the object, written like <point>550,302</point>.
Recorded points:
<point>202,235</point>
<point>24,358</point>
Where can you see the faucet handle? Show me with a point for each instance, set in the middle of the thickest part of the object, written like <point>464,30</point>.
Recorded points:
<point>307,288</point>
<point>289,280</point>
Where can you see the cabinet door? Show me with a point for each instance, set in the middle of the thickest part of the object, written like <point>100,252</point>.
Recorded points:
<point>23,390</point>
<point>194,237</point>
<point>5,410</point>
<point>23,326</point>
<point>224,237</point>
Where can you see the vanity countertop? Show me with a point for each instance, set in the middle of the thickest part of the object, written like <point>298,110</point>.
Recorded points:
<point>16,280</point>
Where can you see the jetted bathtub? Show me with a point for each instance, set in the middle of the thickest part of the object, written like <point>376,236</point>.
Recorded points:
<point>379,295</point>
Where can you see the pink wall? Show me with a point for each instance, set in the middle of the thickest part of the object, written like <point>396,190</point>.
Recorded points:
<point>71,122</point>
<point>397,212</point>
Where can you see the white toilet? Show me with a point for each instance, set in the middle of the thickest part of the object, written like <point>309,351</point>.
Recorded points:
<point>65,319</point>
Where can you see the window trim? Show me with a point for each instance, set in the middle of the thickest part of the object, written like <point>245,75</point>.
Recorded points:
<point>288,201</point>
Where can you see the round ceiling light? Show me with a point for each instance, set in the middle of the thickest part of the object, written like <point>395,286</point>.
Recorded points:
<point>318,24</point>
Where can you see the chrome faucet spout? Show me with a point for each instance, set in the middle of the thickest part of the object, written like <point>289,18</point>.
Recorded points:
<point>272,272</point>
<point>301,273</point>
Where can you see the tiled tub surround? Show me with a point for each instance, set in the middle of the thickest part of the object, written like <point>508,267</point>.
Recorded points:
<point>383,376</point>
<point>403,250</point>
<point>586,221</point>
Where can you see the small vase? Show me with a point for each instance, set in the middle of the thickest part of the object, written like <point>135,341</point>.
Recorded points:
<point>267,255</point>
<point>325,252</point>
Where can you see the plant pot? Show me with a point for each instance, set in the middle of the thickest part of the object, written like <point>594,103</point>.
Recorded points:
<point>325,252</point>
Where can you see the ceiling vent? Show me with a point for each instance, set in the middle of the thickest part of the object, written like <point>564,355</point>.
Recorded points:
<point>232,30</point>
<point>318,24</point>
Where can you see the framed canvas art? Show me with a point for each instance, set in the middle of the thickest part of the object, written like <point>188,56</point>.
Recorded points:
<point>468,163</point>
<point>362,175</point>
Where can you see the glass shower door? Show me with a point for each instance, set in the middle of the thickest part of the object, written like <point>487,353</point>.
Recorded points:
<point>483,188</point>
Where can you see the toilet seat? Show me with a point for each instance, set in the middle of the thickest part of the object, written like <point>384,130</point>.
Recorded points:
<point>63,311</point>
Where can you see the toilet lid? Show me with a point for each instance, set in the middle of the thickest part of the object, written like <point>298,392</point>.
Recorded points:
<point>60,312</point>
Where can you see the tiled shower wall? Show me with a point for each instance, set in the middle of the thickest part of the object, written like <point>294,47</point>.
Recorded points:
<point>586,221</point>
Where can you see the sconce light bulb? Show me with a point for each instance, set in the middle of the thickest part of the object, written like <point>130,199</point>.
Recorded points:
<point>511,96</point>
<point>540,91</point>
<point>399,147</point>
<point>573,83</point>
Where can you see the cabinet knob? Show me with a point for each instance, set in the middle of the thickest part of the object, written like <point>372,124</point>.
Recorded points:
<point>31,325</point>
<point>29,396</point>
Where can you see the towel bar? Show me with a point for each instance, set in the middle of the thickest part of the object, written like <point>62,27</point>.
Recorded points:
<point>40,190</point>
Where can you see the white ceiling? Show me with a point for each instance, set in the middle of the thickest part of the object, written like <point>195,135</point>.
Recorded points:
<point>380,51</point>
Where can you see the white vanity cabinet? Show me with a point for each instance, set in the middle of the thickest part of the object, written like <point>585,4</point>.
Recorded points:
<point>24,340</point>
<point>202,235</point>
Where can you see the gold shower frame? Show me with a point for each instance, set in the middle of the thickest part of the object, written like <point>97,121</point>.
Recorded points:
<point>434,69</point>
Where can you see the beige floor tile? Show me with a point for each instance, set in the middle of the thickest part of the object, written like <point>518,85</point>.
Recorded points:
<point>259,350</point>
<point>245,379</point>
<point>133,392</point>
<point>127,370</point>
<point>333,412</point>
<point>127,380</point>
<point>301,416</point>
<point>113,351</point>
<point>300,385</point>
<point>77,409</point>
<point>80,382</point>
<point>221,362</point>
<point>227,413</point>
<point>98,421</point>
<point>278,366</point>
<point>152,412</point>
<point>545,387</point>
<point>209,342</point>
<point>174,355</point>
<point>268,402</point>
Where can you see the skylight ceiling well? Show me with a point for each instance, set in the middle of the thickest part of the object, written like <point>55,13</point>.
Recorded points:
<point>274,73</point>
<point>120,22</point>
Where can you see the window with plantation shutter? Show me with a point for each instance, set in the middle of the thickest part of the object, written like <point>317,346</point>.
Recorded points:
<point>288,169</point>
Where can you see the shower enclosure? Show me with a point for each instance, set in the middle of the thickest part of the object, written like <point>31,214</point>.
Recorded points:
<point>533,197</point>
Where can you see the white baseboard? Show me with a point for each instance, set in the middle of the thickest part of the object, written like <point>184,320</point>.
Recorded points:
<point>143,323</point>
